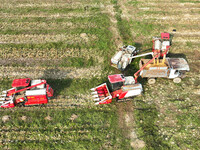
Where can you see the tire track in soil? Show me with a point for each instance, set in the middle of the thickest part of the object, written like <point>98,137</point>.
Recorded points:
<point>127,123</point>
<point>125,110</point>
<point>113,28</point>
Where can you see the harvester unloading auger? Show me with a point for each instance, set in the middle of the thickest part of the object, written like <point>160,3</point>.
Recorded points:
<point>126,87</point>
<point>26,92</point>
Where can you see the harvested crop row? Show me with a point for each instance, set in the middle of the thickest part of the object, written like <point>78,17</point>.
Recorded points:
<point>44,25</point>
<point>49,54</point>
<point>169,4</point>
<point>50,72</point>
<point>44,38</point>
<point>58,4</point>
<point>187,39</point>
<point>71,101</point>
<point>43,15</point>
<point>170,10</point>
<point>186,24</point>
<point>173,17</point>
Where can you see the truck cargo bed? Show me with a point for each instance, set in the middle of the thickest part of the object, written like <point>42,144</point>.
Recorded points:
<point>153,70</point>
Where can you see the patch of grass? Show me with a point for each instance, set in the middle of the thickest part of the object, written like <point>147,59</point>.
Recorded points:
<point>189,1</point>
<point>77,62</point>
<point>143,27</point>
<point>134,3</point>
<point>37,10</point>
<point>93,128</point>
<point>146,115</point>
<point>74,86</point>
<point>123,25</point>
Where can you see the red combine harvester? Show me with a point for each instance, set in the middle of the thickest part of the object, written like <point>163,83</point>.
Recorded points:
<point>121,88</point>
<point>26,92</point>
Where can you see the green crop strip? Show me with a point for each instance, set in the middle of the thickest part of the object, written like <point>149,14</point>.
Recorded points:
<point>93,128</point>
<point>122,24</point>
<point>146,116</point>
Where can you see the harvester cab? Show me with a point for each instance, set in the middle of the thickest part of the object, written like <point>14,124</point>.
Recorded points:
<point>26,92</point>
<point>116,81</point>
<point>121,88</point>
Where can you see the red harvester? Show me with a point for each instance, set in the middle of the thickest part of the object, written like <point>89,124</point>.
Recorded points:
<point>26,92</point>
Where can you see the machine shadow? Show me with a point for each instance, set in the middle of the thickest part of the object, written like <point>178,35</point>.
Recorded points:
<point>57,82</point>
<point>177,55</point>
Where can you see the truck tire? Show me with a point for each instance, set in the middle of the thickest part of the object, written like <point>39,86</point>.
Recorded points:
<point>151,80</point>
<point>177,80</point>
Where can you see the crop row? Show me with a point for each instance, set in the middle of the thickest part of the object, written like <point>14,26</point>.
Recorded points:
<point>172,4</point>
<point>44,15</point>
<point>170,10</point>
<point>50,72</point>
<point>58,4</point>
<point>90,127</point>
<point>44,25</point>
<point>28,38</point>
<point>9,53</point>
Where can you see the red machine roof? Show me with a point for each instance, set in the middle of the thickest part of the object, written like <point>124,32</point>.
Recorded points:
<point>21,82</point>
<point>165,35</point>
<point>116,78</point>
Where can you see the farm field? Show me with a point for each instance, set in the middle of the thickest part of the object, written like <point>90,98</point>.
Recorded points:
<point>70,44</point>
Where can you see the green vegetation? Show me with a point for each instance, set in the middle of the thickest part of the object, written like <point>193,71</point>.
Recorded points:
<point>62,37</point>
<point>189,1</point>
<point>123,25</point>
<point>146,116</point>
<point>74,86</point>
<point>78,38</point>
<point>76,128</point>
<point>77,62</point>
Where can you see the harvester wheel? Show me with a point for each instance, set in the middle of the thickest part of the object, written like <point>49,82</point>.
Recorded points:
<point>177,80</point>
<point>151,80</point>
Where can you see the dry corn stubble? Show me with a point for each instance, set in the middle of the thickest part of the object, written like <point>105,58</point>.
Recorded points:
<point>65,4</point>
<point>13,53</point>
<point>51,72</point>
<point>44,25</point>
<point>43,15</point>
<point>44,38</point>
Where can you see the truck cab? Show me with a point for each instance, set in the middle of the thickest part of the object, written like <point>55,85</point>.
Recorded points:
<point>178,67</point>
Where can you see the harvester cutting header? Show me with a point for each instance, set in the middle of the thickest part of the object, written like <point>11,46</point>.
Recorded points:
<point>121,87</point>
